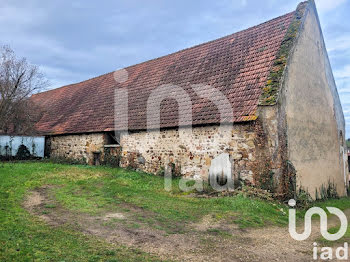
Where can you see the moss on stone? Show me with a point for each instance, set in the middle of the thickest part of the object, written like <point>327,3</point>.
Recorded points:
<point>271,89</point>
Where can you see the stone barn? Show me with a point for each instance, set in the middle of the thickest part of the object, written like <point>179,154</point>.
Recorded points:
<point>286,129</point>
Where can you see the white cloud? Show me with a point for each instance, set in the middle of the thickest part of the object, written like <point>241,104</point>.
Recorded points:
<point>20,17</point>
<point>244,2</point>
<point>59,76</point>
<point>343,73</point>
<point>328,5</point>
<point>338,44</point>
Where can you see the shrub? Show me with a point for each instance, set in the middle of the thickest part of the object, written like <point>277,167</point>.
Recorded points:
<point>23,153</point>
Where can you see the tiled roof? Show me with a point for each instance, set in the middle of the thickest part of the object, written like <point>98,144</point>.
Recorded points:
<point>238,65</point>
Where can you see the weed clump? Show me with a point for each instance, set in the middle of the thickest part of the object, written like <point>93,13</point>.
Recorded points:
<point>270,91</point>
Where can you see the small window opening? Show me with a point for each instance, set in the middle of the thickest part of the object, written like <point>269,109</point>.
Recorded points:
<point>97,158</point>
<point>113,138</point>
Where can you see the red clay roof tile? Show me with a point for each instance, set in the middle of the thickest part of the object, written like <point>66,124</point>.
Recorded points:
<point>237,65</point>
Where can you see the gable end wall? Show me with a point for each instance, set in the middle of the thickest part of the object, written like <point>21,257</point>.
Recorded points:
<point>314,117</point>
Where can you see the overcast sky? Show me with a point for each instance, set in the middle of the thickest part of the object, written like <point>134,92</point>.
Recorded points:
<point>72,42</point>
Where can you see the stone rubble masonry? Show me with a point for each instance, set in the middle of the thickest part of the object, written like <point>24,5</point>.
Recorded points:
<point>191,157</point>
<point>78,147</point>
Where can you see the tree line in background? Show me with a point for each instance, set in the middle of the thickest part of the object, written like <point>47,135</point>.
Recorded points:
<point>18,81</point>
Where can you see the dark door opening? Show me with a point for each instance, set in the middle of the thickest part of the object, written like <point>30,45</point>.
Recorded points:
<point>97,158</point>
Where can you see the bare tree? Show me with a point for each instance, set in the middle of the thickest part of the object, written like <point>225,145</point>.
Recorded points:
<point>18,81</point>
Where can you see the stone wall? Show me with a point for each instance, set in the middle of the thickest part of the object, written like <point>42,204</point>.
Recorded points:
<point>192,155</point>
<point>250,147</point>
<point>78,147</point>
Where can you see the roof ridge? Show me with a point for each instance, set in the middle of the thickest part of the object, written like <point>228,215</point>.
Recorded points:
<point>77,83</point>
<point>270,93</point>
<point>176,52</point>
<point>210,41</point>
<point>238,70</point>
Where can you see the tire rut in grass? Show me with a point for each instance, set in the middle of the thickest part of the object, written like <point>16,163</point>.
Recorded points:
<point>206,240</point>
<point>112,226</point>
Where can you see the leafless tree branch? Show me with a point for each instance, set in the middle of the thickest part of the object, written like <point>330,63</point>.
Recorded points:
<point>18,81</point>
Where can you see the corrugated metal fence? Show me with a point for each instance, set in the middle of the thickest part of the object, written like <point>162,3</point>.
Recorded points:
<point>9,145</point>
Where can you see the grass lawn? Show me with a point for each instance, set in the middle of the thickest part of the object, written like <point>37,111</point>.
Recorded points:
<point>333,230</point>
<point>95,190</point>
<point>26,238</point>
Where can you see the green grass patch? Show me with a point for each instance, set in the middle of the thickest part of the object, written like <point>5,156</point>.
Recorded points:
<point>333,230</point>
<point>26,238</point>
<point>219,232</point>
<point>170,211</point>
<point>97,190</point>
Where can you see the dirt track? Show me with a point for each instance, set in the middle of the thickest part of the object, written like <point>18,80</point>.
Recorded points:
<point>204,241</point>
